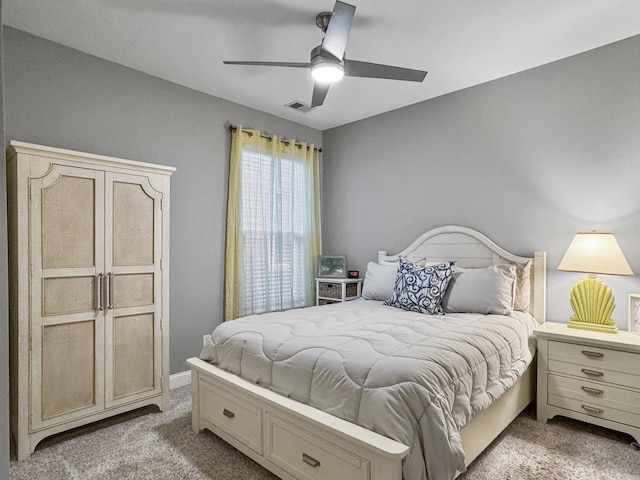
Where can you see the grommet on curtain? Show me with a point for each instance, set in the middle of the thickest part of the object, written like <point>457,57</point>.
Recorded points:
<point>284,140</point>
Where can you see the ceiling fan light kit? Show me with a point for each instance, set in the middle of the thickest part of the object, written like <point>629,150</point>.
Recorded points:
<point>327,72</point>
<point>327,63</point>
<point>324,69</point>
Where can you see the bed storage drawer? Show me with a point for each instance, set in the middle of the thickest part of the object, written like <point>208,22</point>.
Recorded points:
<point>287,437</point>
<point>308,456</point>
<point>234,415</point>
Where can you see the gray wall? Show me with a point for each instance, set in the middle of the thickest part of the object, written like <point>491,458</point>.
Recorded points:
<point>4,291</point>
<point>528,160</point>
<point>60,97</point>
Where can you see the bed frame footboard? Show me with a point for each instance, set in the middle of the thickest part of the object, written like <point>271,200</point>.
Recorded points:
<point>290,439</point>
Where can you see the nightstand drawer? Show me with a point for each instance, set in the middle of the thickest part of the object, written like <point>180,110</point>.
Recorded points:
<point>594,394</point>
<point>334,290</point>
<point>594,410</point>
<point>331,290</point>
<point>594,373</point>
<point>591,356</point>
<point>337,290</point>
<point>325,301</point>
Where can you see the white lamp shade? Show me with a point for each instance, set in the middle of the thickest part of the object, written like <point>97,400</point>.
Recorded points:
<point>595,252</point>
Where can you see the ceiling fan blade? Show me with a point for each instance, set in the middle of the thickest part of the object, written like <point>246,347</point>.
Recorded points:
<point>319,93</point>
<point>269,64</point>
<point>335,38</point>
<point>354,68</point>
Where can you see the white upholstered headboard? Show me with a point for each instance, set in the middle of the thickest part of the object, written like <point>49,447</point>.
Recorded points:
<point>473,249</point>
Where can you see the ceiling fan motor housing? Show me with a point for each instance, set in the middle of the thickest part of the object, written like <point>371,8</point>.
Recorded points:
<point>322,20</point>
<point>318,55</point>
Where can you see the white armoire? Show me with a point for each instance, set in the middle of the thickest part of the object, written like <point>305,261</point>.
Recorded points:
<point>89,289</point>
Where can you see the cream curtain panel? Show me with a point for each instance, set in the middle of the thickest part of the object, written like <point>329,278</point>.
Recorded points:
<point>273,224</point>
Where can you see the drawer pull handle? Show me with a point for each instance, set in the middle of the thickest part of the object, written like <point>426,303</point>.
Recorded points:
<point>228,413</point>
<point>592,391</point>
<point>594,410</point>
<point>588,353</point>
<point>309,460</point>
<point>593,373</point>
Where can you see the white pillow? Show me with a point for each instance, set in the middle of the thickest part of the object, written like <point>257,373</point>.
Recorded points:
<point>379,281</point>
<point>481,290</point>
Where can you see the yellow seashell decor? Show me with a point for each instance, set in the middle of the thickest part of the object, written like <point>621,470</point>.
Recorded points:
<point>593,303</point>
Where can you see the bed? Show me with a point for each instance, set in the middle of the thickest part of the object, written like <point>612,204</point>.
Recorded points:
<point>297,433</point>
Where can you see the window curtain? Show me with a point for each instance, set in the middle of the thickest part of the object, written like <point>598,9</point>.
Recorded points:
<point>273,224</point>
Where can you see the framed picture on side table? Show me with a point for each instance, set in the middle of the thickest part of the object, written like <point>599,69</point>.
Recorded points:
<point>634,313</point>
<point>332,266</point>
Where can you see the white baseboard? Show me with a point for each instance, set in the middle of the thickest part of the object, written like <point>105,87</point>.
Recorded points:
<point>180,379</point>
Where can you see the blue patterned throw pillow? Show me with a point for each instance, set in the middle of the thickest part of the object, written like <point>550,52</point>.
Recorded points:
<point>421,289</point>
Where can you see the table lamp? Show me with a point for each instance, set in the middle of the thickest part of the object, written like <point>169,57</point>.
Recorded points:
<point>591,299</point>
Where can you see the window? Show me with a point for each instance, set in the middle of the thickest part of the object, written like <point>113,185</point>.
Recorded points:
<point>272,226</point>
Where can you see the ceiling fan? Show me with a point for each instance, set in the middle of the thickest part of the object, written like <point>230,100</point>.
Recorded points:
<point>328,63</point>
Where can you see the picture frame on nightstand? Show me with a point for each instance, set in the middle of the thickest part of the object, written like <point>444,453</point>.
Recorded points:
<point>634,313</point>
<point>332,266</point>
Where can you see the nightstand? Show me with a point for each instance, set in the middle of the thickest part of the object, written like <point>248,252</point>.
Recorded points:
<point>589,376</point>
<point>334,290</point>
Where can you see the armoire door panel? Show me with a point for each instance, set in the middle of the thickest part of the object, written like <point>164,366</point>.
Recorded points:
<point>134,250</point>
<point>68,223</point>
<point>68,368</point>
<point>133,225</point>
<point>133,290</point>
<point>66,212</point>
<point>133,354</point>
<point>57,300</point>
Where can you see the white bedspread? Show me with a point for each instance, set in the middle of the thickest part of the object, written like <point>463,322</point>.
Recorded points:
<point>415,378</point>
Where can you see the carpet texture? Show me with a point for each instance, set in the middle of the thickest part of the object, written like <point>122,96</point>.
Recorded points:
<point>147,444</point>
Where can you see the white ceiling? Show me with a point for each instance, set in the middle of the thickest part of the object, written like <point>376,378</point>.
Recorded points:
<point>461,43</point>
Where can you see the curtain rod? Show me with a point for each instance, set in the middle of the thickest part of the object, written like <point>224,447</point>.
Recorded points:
<point>269,137</point>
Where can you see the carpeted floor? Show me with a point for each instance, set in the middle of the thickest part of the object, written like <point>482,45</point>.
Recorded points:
<point>150,445</point>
